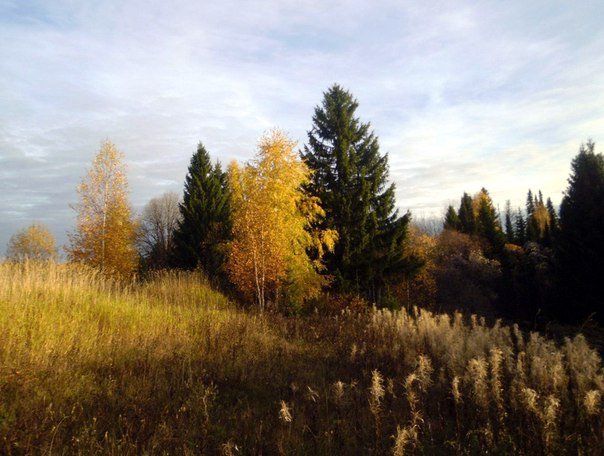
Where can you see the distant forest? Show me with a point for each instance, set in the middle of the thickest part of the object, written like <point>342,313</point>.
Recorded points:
<point>316,229</point>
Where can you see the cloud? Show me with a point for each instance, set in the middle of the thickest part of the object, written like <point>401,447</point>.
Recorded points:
<point>461,95</point>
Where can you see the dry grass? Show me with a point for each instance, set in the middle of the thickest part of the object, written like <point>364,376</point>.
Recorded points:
<point>171,366</point>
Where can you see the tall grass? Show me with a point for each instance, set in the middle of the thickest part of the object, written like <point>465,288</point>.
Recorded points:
<point>88,366</point>
<point>93,366</point>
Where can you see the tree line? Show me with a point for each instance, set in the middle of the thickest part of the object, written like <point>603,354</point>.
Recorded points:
<point>551,261</point>
<point>279,229</point>
<point>290,224</point>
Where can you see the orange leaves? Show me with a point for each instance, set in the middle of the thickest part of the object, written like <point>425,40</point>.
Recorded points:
<point>105,233</point>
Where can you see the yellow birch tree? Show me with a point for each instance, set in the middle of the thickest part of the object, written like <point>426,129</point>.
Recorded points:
<point>106,232</point>
<point>269,254</point>
<point>35,242</point>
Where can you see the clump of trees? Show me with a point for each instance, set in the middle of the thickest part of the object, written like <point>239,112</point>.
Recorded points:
<point>550,262</point>
<point>477,217</point>
<point>279,229</point>
<point>514,277</point>
<point>286,226</point>
<point>290,224</point>
<point>539,223</point>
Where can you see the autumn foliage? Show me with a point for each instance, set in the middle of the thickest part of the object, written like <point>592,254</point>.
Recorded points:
<point>106,233</point>
<point>35,242</point>
<point>269,254</point>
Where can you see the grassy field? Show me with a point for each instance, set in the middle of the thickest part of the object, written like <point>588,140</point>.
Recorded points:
<point>170,366</point>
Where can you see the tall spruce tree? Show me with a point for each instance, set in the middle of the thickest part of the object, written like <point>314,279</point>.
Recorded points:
<point>467,219</point>
<point>530,203</point>
<point>205,221</point>
<point>451,219</point>
<point>580,241</point>
<point>350,177</point>
<point>488,225</point>
<point>520,228</point>
<point>554,222</point>
<point>532,226</point>
<point>509,226</point>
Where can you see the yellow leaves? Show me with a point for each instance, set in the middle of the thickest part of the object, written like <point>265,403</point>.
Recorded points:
<point>106,232</point>
<point>477,200</point>
<point>542,218</point>
<point>271,225</point>
<point>420,244</point>
<point>35,242</point>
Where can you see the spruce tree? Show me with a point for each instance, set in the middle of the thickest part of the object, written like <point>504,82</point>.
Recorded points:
<point>554,222</point>
<point>532,227</point>
<point>350,177</point>
<point>467,220</point>
<point>451,219</point>
<point>530,203</point>
<point>488,225</point>
<point>520,229</point>
<point>204,226</point>
<point>580,242</point>
<point>509,226</point>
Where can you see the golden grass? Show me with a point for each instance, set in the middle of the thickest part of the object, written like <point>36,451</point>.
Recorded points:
<point>88,366</point>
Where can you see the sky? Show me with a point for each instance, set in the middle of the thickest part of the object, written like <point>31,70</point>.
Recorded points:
<point>462,95</point>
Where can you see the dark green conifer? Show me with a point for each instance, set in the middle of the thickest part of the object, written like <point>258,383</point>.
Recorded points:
<point>488,225</point>
<point>532,227</point>
<point>554,222</point>
<point>205,216</point>
<point>350,177</point>
<point>530,203</point>
<point>520,228</point>
<point>467,219</point>
<point>451,219</point>
<point>509,227</point>
<point>580,241</point>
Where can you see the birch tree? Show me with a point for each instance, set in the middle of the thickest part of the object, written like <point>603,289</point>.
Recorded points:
<point>159,221</point>
<point>106,232</point>
<point>272,239</point>
<point>35,242</point>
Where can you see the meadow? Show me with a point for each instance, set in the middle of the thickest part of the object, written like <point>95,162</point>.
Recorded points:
<point>170,366</point>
